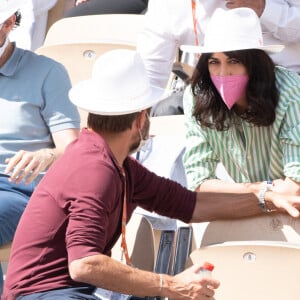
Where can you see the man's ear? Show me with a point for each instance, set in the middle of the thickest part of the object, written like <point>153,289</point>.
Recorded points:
<point>9,24</point>
<point>141,119</point>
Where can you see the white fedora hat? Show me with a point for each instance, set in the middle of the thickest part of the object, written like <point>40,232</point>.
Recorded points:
<point>119,85</point>
<point>9,7</point>
<point>230,30</point>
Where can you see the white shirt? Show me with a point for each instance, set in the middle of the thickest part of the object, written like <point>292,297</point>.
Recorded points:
<point>42,6</point>
<point>169,24</point>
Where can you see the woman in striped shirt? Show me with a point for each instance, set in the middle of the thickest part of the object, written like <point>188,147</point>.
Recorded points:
<point>241,111</point>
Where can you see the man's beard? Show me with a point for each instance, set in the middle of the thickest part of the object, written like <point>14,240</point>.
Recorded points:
<point>142,136</point>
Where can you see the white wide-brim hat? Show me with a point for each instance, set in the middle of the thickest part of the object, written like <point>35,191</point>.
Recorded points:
<point>230,30</point>
<point>119,85</point>
<point>9,7</point>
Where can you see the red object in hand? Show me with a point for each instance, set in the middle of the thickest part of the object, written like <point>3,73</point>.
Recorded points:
<point>208,266</point>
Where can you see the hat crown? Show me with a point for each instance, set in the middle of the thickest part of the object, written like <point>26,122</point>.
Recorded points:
<point>233,30</point>
<point>120,74</point>
<point>237,28</point>
<point>119,85</point>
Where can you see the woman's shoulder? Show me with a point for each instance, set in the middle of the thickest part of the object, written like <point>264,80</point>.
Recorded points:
<point>288,84</point>
<point>286,77</point>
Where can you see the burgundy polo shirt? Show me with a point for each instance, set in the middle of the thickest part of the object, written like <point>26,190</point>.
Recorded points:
<point>76,212</point>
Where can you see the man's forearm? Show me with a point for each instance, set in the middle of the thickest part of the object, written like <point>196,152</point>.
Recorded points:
<point>220,200</point>
<point>219,205</point>
<point>102,271</point>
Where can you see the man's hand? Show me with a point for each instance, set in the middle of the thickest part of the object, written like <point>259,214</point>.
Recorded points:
<point>27,165</point>
<point>189,284</point>
<point>257,5</point>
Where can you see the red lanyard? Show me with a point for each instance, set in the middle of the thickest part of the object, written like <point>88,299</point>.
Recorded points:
<point>124,219</point>
<point>195,22</point>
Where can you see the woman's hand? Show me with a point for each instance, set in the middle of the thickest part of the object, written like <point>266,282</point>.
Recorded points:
<point>286,186</point>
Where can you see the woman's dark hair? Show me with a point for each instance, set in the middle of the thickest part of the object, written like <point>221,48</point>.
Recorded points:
<point>262,95</point>
<point>111,123</point>
<point>18,18</point>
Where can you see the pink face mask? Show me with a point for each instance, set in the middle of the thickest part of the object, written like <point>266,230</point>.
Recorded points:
<point>231,88</point>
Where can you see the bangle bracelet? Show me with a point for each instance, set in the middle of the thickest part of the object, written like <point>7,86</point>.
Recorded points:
<point>161,283</point>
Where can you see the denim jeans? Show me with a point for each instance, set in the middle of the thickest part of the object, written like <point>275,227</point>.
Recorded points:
<point>79,293</point>
<point>13,200</point>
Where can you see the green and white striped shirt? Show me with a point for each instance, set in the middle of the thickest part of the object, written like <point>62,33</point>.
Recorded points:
<point>249,153</point>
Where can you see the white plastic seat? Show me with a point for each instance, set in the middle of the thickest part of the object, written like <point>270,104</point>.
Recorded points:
<point>140,243</point>
<point>116,28</point>
<point>268,227</point>
<point>253,270</point>
<point>255,258</point>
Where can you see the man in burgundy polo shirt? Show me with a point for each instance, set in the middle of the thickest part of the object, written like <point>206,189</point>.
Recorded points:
<point>62,246</point>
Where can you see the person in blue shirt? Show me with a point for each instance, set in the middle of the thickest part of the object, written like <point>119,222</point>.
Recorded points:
<point>37,121</point>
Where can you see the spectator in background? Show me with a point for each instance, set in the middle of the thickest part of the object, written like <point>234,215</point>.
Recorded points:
<point>242,111</point>
<point>95,7</point>
<point>172,23</point>
<point>37,121</point>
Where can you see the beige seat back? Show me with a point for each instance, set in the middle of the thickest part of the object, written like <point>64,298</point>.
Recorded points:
<point>109,28</point>
<point>140,242</point>
<point>247,271</point>
<point>271,227</point>
<point>78,41</point>
<point>78,58</point>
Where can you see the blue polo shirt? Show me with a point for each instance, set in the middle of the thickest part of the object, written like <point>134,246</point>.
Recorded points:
<point>34,103</point>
